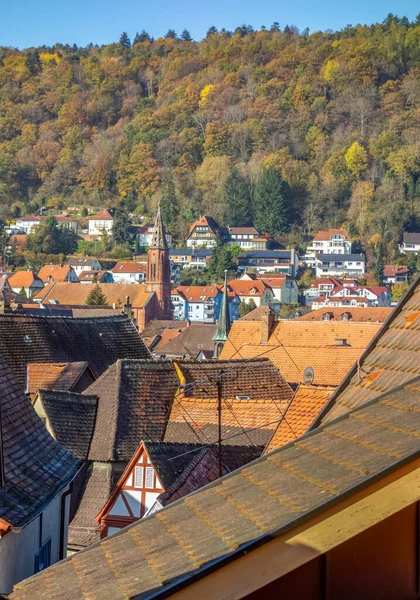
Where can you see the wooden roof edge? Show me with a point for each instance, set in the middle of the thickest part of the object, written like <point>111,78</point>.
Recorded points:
<point>372,344</point>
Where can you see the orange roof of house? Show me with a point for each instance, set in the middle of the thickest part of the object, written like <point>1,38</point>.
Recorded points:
<point>274,282</point>
<point>54,376</point>
<point>206,221</point>
<point>326,235</point>
<point>391,270</point>
<point>103,215</point>
<point>299,415</point>
<point>23,279</point>
<point>295,345</point>
<point>129,267</point>
<point>246,287</point>
<point>75,294</point>
<point>197,293</point>
<point>54,272</point>
<point>89,275</point>
<point>357,314</point>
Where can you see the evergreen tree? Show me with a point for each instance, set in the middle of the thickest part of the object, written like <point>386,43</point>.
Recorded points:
<point>171,34</point>
<point>22,292</point>
<point>246,307</point>
<point>221,260</point>
<point>237,201</point>
<point>270,206</point>
<point>96,297</point>
<point>49,238</point>
<point>380,265</point>
<point>211,31</point>
<point>121,227</point>
<point>169,203</point>
<point>186,36</point>
<point>142,37</point>
<point>125,40</point>
<point>33,62</point>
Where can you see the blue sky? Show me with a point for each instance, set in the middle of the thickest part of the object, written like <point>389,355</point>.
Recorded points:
<point>25,23</point>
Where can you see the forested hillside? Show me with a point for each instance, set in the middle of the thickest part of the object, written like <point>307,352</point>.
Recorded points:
<point>332,119</point>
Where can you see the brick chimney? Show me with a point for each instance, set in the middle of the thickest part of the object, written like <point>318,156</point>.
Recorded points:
<point>267,322</point>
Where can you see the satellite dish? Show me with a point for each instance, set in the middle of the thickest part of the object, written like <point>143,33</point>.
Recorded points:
<point>308,376</point>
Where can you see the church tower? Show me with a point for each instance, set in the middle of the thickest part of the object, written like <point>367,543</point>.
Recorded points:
<point>223,324</point>
<point>158,275</point>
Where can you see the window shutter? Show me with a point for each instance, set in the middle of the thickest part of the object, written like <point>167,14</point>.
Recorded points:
<point>149,477</point>
<point>138,477</point>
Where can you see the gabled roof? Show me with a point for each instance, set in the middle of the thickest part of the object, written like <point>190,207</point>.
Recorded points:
<point>129,267</point>
<point>356,314</point>
<point>23,279</point>
<point>90,275</point>
<point>295,345</point>
<point>116,293</point>
<point>246,509</point>
<point>254,395</point>
<point>411,237</point>
<point>36,467</point>
<point>244,287</point>
<point>256,314</point>
<point>37,339</point>
<point>28,218</point>
<point>197,293</point>
<point>206,221</point>
<point>54,376</point>
<point>300,414</point>
<point>72,419</point>
<point>103,215</point>
<point>243,230</point>
<point>195,337</point>
<point>55,272</point>
<point>390,359</point>
<point>135,397</point>
<point>81,262</point>
<point>392,270</point>
<point>327,235</point>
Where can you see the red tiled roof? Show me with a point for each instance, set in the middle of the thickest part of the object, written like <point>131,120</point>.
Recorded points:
<point>205,221</point>
<point>244,287</point>
<point>326,235</point>
<point>197,293</point>
<point>392,270</point>
<point>54,376</point>
<point>23,279</point>
<point>54,272</point>
<point>356,314</point>
<point>103,215</point>
<point>129,267</point>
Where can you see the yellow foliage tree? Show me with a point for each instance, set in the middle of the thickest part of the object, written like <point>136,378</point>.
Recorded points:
<point>204,95</point>
<point>360,204</point>
<point>356,159</point>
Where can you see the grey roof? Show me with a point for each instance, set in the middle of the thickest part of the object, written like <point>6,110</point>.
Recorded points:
<point>231,516</point>
<point>279,254</point>
<point>36,467</point>
<point>44,339</point>
<point>411,237</point>
<point>72,418</point>
<point>342,257</point>
<point>196,337</point>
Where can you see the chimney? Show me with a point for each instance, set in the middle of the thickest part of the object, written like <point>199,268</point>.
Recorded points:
<point>127,300</point>
<point>267,322</point>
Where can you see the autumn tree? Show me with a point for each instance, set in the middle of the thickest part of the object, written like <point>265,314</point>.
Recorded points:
<point>96,297</point>
<point>270,203</point>
<point>356,159</point>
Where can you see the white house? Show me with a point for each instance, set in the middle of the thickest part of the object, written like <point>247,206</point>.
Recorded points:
<point>327,265</point>
<point>201,304</point>
<point>145,232</point>
<point>203,233</point>
<point>411,242</point>
<point>26,280</point>
<point>284,288</point>
<point>27,224</point>
<point>35,489</point>
<point>256,290</point>
<point>84,264</point>
<point>67,223</point>
<point>362,296</point>
<point>101,222</point>
<point>129,272</point>
<point>396,274</point>
<point>284,262</point>
<point>247,238</point>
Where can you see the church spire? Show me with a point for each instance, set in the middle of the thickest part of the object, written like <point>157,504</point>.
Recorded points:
<point>223,324</point>
<point>159,237</point>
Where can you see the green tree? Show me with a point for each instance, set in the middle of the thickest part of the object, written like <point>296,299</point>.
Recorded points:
<point>211,31</point>
<point>246,307</point>
<point>237,201</point>
<point>125,40</point>
<point>169,203</point>
<point>49,238</point>
<point>84,212</point>
<point>270,203</point>
<point>121,227</point>
<point>379,266</point>
<point>221,260</point>
<point>22,292</point>
<point>96,297</point>
<point>186,36</point>
<point>171,34</point>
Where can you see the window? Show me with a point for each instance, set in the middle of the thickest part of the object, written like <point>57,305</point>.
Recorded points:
<point>138,477</point>
<point>149,477</point>
<point>43,557</point>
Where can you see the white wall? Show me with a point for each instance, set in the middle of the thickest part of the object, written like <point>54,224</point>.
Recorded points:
<point>18,549</point>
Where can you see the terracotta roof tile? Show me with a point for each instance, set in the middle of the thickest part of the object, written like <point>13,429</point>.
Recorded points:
<point>23,279</point>
<point>295,345</point>
<point>355,314</point>
<point>103,215</point>
<point>193,339</point>
<point>326,235</point>
<point>54,376</point>
<point>300,414</point>
<point>392,270</point>
<point>54,273</point>
<point>129,267</point>
<point>244,287</point>
<point>72,294</point>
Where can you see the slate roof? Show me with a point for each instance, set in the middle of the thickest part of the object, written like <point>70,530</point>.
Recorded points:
<point>390,359</point>
<point>254,395</point>
<point>36,467</point>
<point>195,337</point>
<point>72,419</point>
<point>355,314</point>
<point>300,414</point>
<point>83,262</point>
<point>342,257</point>
<point>135,397</point>
<point>295,345</point>
<point>73,294</point>
<point>270,496</point>
<point>54,376</point>
<point>411,237</point>
<point>37,339</point>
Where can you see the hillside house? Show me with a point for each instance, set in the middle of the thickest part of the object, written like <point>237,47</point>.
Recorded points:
<point>27,224</point>
<point>284,288</point>
<point>129,272</point>
<point>410,243</point>
<point>190,258</point>
<point>26,280</point>
<point>84,264</point>
<point>284,262</point>
<point>396,274</point>
<point>254,289</point>
<point>51,273</point>
<point>335,265</point>
<point>101,222</point>
<point>201,303</point>
<point>247,238</point>
<point>333,241</point>
<point>203,233</point>
<point>144,234</point>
